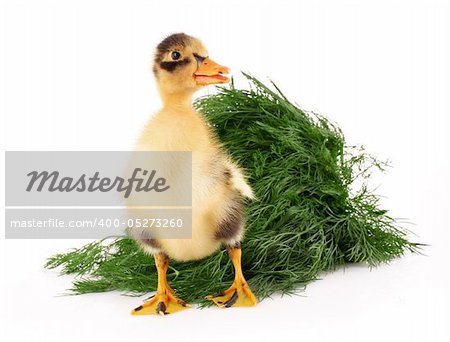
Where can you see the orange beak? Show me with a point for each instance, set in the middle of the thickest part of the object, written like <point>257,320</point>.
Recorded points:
<point>209,72</point>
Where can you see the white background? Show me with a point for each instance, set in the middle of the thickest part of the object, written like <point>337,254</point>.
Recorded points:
<point>75,75</point>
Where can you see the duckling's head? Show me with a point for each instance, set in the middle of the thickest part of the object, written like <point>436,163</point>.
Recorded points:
<point>182,65</point>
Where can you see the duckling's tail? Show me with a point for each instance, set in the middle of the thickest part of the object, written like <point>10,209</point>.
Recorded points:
<point>239,182</point>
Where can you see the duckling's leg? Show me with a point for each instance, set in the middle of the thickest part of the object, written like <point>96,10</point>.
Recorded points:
<point>164,302</point>
<point>239,293</point>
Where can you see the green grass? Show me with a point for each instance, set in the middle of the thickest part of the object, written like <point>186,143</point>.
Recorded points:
<point>309,216</point>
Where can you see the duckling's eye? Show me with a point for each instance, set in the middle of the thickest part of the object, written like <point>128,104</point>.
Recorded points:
<point>175,55</point>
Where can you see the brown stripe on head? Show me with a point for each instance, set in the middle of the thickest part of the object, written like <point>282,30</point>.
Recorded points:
<point>176,40</point>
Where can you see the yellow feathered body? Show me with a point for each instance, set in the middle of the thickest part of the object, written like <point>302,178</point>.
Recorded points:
<point>217,182</point>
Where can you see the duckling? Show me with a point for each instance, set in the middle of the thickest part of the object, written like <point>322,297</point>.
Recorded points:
<point>219,188</point>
